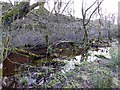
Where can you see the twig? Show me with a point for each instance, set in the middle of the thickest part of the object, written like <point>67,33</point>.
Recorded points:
<point>65,6</point>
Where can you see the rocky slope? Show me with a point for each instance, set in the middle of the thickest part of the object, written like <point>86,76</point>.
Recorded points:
<point>31,30</point>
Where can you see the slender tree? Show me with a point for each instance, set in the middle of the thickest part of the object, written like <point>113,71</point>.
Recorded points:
<point>87,14</point>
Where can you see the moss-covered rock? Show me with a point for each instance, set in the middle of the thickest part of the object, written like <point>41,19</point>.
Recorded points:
<point>21,10</point>
<point>17,11</point>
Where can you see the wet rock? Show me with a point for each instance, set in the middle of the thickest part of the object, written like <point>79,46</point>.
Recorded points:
<point>34,34</point>
<point>12,62</point>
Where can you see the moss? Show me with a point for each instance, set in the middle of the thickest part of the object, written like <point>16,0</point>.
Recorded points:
<point>101,78</point>
<point>1,73</point>
<point>23,80</point>
<point>54,82</point>
<point>17,11</point>
<point>79,77</point>
<point>40,73</point>
<point>68,74</point>
<point>27,53</point>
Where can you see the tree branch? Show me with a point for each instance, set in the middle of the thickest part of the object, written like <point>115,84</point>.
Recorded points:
<point>35,5</point>
<point>10,3</point>
<point>93,12</point>
<point>90,6</point>
<point>66,6</point>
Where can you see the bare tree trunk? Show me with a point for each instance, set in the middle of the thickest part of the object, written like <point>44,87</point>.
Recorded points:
<point>86,19</point>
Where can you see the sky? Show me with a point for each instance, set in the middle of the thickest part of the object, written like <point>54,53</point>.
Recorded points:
<point>108,6</point>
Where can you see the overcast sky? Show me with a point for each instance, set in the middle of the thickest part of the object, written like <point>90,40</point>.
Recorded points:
<point>108,6</point>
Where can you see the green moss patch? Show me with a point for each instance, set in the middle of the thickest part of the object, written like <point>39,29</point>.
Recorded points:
<point>0,72</point>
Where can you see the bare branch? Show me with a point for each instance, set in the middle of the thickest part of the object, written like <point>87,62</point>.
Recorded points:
<point>91,6</point>
<point>66,6</point>
<point>10,3</point>
<point>34,5</point>
<point>99,13</point>
<point>83,13</point>
<point>93,12</point>
<point>54,7</point>
<point>82,9</point>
